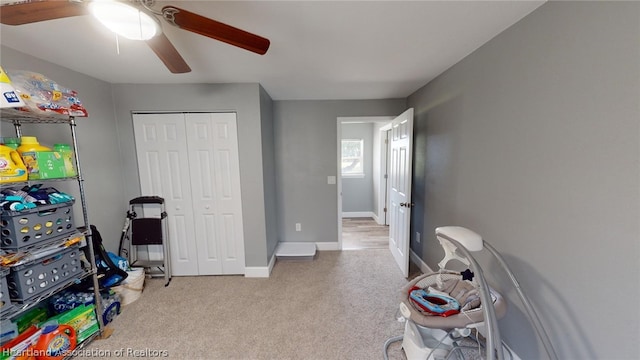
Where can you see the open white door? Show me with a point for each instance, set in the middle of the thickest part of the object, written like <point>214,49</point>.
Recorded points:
<point>400,188</point>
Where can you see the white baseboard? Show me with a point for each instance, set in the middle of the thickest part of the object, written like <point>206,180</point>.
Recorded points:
<point>260,271</point>
<point>272,262</point>
<point>418,261</point>
<point>376,219</point>
<point>358,214</point>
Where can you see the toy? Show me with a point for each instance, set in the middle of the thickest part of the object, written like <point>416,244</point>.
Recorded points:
<point>436,304</point>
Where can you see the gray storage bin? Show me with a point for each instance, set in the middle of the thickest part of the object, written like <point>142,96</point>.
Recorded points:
<point>5,301</point>
<point>23,230</point>
<point>54,271</point>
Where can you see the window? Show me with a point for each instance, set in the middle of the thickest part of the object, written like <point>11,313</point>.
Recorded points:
<point>352,162</point>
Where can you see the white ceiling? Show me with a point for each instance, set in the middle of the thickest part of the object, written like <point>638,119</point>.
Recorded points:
<point>319,49</point>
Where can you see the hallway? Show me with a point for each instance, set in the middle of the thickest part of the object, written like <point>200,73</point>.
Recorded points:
<point>364,233</point>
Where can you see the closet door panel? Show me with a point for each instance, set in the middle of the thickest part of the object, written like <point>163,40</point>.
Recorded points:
<point>200,145</point>
<point>229,228</point>
<point>203,193</point>
<point>212,137</point>
<point>228,190</point>
<point>177,229</point>
<point>163,164</point>
<point>205,216</point>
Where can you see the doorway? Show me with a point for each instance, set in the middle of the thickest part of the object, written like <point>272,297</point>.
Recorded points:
<point>397,174</point>
<point>362,182</point>
<point>364,233</point>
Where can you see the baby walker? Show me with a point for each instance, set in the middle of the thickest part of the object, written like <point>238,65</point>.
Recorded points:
<point>441,309</point>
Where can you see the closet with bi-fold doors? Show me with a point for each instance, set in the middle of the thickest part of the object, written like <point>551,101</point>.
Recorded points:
<point>192,161</point>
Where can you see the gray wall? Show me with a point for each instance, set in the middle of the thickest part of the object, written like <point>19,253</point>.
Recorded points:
<point>99,154</point>
<point>306,153</point>
<point>269,171</point>
<point>244,99</point>
<point>357,192</point>
<point>533,142</point>
<point>378,169</point>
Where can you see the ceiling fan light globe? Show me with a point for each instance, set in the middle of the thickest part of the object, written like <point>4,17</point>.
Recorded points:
<point>125,20</point>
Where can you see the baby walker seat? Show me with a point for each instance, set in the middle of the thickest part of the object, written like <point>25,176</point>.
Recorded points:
<point>426,331</point>
<point>441,308</point>
<point>450,283</point>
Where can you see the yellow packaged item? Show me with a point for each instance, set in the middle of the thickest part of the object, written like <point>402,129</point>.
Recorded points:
<point>12,169</point>
<point>28,149</point>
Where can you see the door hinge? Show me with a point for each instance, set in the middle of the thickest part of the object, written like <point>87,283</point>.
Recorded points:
<point>385,210</point>
<point>386,176</point>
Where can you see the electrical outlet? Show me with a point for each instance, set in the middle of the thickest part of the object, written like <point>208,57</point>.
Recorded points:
<point>298,227</point>
<point>418,237</point>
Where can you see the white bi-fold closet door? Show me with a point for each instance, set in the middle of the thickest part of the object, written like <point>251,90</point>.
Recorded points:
<point>191,160</point>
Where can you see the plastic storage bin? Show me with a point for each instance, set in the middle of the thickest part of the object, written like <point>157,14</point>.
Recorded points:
<point>54,271</point>
<point>8,331</point>
<point>5,301</point>
<point>23,230</point>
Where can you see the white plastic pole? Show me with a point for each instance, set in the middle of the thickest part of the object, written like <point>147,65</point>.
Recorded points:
<point>531,313</point>
<point>494,341</point>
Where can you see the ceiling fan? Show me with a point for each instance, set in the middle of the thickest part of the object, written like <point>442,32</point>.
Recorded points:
<point>32,11</point>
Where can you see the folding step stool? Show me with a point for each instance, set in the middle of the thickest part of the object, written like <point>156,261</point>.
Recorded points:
<point>149,227</point>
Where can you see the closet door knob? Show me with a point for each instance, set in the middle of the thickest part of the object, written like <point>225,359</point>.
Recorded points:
<point>177,207</point>
<point>207,207</point>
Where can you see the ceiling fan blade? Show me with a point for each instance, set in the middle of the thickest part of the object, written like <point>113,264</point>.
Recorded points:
<point>216,30</point>
<point>165,50</point>
<point>40,10</point>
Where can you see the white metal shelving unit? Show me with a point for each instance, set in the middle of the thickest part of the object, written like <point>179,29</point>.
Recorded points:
<point>18,118</point>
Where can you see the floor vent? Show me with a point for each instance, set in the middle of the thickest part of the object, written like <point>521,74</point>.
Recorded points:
<point>296,251</point>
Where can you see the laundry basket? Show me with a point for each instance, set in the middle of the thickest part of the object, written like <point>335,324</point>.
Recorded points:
<point>131,288</point>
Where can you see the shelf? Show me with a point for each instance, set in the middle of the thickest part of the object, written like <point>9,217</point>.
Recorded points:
<point>38,251</point>
<point>24,117</point>
<point>36,181</point>
<point>78,351</point>
<point>42,249</point>
<point>19,308</point>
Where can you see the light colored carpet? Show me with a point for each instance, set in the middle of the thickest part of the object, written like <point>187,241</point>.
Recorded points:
<point>342,305</point>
